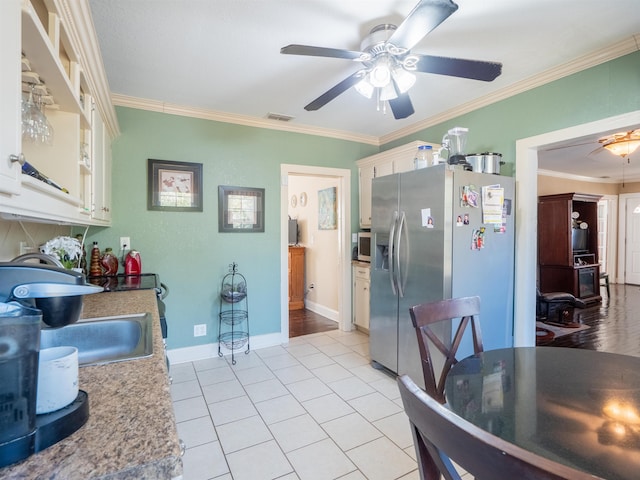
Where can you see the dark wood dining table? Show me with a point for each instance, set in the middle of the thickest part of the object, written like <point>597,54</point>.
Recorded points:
<point>574,406</point>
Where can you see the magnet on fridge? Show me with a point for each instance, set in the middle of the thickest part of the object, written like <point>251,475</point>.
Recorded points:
<point>507,205</point>
<point>425,218</point>
<point>477,239</point>
<point>472,197</point>
<point>463,196</point>
<point>481,238</point>
<point>465,220</point>
<point>459,221</point>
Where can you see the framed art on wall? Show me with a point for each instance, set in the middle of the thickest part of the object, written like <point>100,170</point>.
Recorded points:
<point>174,186</point>
<point>327,218</point>
<point>240,209</point>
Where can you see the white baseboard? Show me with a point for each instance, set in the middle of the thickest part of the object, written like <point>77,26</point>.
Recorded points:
<point>210,350</point>
<point>322,310</point>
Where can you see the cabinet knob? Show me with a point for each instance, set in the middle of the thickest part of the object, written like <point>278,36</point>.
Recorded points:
<point>17,158</point>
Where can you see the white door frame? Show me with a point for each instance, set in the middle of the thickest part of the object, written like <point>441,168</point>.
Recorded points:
<point>622,244</point>
<point>614,236</point>
<point>527,216</point>
<point>343,176</point>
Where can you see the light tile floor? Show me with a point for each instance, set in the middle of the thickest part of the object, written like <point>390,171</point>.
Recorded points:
<point>311,410</point>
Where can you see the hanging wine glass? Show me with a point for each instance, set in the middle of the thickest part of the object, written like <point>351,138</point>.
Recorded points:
<point>30,118</point>
<point>46,130</point>
<point>35,126</point>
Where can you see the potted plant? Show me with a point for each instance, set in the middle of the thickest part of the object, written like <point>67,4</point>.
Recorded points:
<point>66,249</point>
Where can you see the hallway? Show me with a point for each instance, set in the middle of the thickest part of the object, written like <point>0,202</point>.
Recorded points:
<point>305,322</point>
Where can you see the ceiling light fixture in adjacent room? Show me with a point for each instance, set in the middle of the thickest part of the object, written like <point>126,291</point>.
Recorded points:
<point>622,143</point>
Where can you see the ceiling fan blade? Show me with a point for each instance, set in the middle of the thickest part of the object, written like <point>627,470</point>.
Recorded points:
<point>401,106</point>
<point>332,93</point>
<point>425,17</point>
<point>573,145</point>
<point>459,67</point>
<point>320,52</point>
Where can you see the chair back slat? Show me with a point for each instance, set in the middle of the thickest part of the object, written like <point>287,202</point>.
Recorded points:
<point>440,437</point>
<point>424,316</point>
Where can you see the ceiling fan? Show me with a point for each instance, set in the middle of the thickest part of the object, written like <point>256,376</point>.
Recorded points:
<point>388,63</point>
<point>622,143</point>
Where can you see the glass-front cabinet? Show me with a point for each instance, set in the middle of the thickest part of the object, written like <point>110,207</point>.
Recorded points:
<point>50,167</point>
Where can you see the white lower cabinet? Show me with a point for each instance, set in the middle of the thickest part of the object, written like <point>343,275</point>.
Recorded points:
<point>361,294</point>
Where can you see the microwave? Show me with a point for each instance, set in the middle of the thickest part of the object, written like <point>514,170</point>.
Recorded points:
<point>364,246</point>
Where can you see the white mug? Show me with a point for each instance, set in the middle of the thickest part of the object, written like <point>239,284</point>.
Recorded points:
<point>57,378</point>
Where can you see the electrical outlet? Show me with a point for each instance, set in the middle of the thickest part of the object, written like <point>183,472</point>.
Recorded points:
<point>200,330</point>
<point>25,248</point>
<point>125,243</point>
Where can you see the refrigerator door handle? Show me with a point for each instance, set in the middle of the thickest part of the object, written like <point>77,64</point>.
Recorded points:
<point>392,234</point>
<point>399,282</point>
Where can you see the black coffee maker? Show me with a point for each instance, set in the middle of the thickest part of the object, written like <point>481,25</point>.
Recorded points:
<point>30,295</point>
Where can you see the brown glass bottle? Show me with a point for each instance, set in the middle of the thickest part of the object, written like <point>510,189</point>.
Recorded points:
<point>95,270</point>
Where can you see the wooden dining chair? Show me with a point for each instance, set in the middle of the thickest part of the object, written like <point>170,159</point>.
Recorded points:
<point>441,437</point>
<point>424,316</point>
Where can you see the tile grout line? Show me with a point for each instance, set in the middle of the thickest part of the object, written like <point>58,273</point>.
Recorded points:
<point>263,362</point>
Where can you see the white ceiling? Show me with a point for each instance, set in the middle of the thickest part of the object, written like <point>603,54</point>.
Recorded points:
<point>224,56</point>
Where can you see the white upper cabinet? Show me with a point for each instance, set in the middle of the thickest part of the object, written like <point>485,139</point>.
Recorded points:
<point>38,57</point>
<point>395,160</point>
<point>101,151</point>
<point>9,97</point>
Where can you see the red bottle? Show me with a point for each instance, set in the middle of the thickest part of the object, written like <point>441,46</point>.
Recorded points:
<point>109,262</point>
<point>133,263</point>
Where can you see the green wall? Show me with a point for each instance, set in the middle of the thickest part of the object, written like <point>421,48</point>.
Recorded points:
<point>185,249</point>
<point>191,257</point>
<point>603,91</point>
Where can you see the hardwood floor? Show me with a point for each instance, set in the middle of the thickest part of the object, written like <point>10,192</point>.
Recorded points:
<point>304,322</point>
<point>615,326</point>
<point>615,323</point>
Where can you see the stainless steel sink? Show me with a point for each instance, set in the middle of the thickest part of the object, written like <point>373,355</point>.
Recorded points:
<point>104,340</point>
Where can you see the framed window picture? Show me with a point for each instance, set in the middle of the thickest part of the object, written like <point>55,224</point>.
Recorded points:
<point>174,186</point>
<point>240,209</point>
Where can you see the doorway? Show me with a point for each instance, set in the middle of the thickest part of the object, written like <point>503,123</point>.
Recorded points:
<point>313,288</point>
<point>629,262</point>
<point>343,216</point>
<point>526,169</point>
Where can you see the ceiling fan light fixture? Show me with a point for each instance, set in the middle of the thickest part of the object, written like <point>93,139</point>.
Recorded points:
<point>388,92</point>
<point>380,75</point>
<point>622,144</point>
<point>623,148</point>
<point>404,80</point>
<point>364,88</point>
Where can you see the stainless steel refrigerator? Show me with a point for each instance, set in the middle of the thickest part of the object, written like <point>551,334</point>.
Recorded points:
<point>432,240</point>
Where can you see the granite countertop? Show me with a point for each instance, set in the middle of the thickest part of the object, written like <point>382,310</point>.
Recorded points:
<point>131,430</point>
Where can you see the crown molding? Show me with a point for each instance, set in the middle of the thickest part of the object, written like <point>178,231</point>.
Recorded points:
<point>246,120</point>
<point>625,47</point>
<point>580,178</point>
<point>76,15</point>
